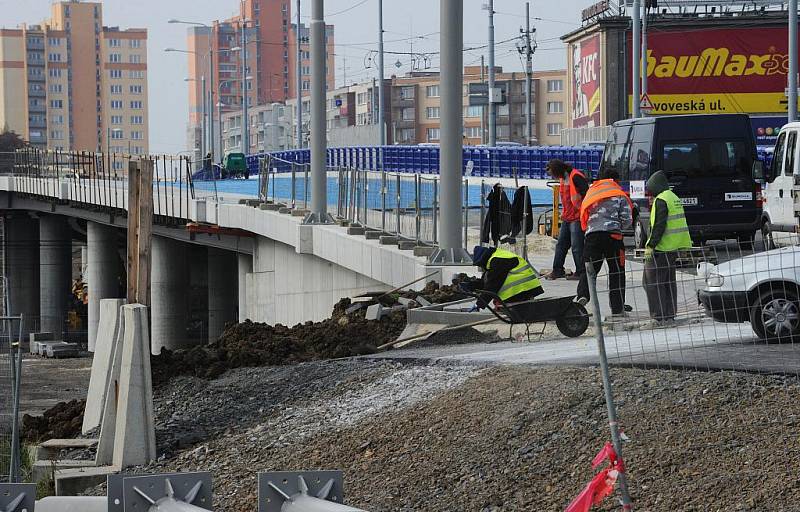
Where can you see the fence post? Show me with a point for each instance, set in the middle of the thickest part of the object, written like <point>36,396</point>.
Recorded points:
<point>609,394</point>
<point>466,212</point>
<point>16,374</point>
<point>294,181</point>
<point>305,186</point>
<point>525,213</point>
<point>399,197</point>
<point>417,199</point>
<point>435,211</point>
<point>366,196</point>
<point>383,197</point>
<point>483,210</point>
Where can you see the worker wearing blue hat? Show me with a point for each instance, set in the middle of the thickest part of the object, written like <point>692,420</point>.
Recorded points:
<point>509,276</point>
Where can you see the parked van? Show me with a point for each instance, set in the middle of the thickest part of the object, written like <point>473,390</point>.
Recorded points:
<point>778,216</point>
<point>711,163</point>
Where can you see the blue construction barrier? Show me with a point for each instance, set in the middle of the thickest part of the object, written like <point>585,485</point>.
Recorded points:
<point>500,162</point>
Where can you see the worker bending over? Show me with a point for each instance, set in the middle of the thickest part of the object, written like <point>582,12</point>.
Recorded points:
<point>605,212</point>
<point>572,187</point>
<point>669,233</point>
<point>505,274</point>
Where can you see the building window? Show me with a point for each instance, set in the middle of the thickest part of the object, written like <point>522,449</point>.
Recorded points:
<point>114,43</point>
<point>362,98</point>
<point>56,103</point>
<point>116,119</point>
<point>57,134</point>
<point>135,73</point>
<point>432,91</point>
<point>433,134</point>
<point>306,85</point>
<point>136,89</point>
<point>117,134</point>
<point>554,129</point>
<point>54,72</point>
<point>555,85</point>
<point>57,119</point>
<point>137,135</point>
<point>115,73</point>
<point>54,57</point>
<point>136,43</point>
<point>432,113</point>
<point>116,104</point>
<point>135,58</point>
<point>503,131</point>
<point>55,88</point>
<point>137,150</point>
<point>54,41</point>
<point>406,93</point>
<point>137,120</point>
<point>115,57</point>
<point>116,89</point>
<point>555,107</point>
<point>472,132</point>
<point>473,111</point>
<point>502,110</point>
<point>406,135</point>
<point>136,105</point>
<point>408,114</point>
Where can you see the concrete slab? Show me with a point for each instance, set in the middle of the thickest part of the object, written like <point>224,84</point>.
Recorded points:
<point>43,470</point>
<point>50,449</point>
<point>423,251</point>
<point>373,235</point>
<point>388,240</point>
<point>71,482</point>
<point>107,336</point>
<point>35,338</point>
<point>135,436</point>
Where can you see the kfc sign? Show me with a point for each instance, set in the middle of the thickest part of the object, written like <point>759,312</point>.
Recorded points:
<point>586,82</point>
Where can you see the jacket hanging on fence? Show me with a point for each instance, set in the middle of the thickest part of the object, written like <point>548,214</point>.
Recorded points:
<point>497,223</point>
<point>521,214</point>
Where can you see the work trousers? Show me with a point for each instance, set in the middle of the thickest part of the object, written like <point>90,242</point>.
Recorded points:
<point>570,235</point>
<point>600,246</point>
<point>661,285</point>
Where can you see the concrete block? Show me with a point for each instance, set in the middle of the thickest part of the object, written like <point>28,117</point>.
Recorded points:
<point>50,449</point>
<point>373,234</point>
<point>355,230</point>
<point>71,482</point>
<point>43,470</point>
<point>36,337</point>
<point>299,212</point>
<point>406,245</point>
<point>58,349</point>
<point>135,437</point>
<point>305,239</point>
<point>285,209</point>
<point>388,240</point>
<point>255,203</point>
<point>423,251</point>
<point>272,207</point>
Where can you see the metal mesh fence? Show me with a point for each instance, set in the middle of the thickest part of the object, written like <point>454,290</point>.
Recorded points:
<point>10,373</point>
<point>705,370</point>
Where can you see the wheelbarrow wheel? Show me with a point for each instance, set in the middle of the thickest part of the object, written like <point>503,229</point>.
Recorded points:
<point>574,321</point>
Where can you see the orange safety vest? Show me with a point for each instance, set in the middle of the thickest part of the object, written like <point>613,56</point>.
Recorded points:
<point>598,191</point>
<point>570,197</point>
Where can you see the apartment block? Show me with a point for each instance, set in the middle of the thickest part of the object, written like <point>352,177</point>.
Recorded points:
<point>72,83</point>
<point>269,72</point>
<point>551,105</point>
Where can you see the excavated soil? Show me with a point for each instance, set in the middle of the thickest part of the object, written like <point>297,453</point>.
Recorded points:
<point>62,421</point>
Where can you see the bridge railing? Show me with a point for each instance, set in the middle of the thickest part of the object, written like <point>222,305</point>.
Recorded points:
<point>90,179</point>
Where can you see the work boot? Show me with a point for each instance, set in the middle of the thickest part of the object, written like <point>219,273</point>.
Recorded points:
<point>574,277</point>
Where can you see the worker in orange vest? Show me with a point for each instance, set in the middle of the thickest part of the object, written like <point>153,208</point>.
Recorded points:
<point>605,212</point>
<point>572,187</point>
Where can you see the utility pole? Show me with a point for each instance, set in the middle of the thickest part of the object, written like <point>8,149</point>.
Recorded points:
<point>299,84</point>
<point>245,119</point>
<point>204,124</point>
<point>792,60</point>
<point>381,99</point>
<point>212,80</point>
<point>492,105</point>
<point>319,178</point>
<point>451,21</point>
<point>483,107</point>
<point>527,48</point>
<point>636,57</point>
<point>644,47</point>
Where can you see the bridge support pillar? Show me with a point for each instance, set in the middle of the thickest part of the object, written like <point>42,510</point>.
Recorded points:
<point>103,272</point>
<point>55,271</point>
<point>245,266</point>
<point>168,295</point>
<point>22,268</point>
<point>222,279</point>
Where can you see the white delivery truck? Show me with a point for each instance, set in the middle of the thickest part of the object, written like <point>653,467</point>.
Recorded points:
<point>779,220</point>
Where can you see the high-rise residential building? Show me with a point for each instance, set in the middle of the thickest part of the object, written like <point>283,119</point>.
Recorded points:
<point>72,83</point>
<point>271,47</point>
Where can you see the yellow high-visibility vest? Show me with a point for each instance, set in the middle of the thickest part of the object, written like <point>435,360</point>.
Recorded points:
<point>522,278</point>
<point>676,236</point>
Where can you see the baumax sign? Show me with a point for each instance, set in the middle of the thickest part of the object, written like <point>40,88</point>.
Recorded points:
<point>717,70</point>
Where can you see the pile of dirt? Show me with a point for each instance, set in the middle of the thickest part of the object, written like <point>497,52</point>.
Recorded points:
<point>346,333</point>
<point>62,421</point>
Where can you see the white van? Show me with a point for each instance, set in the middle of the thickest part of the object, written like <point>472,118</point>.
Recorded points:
<point>779,225</point>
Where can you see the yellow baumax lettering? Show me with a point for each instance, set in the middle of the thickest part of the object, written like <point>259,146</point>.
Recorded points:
<point>667,67</point>
<point>686,65</point>
<point>736,66</point>
<point>712,62</point>
<point>757,65</point>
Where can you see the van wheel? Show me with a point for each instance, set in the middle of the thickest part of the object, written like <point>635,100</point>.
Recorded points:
<point>766,236</point>
<point>746,240</point>
<point>639,234</point>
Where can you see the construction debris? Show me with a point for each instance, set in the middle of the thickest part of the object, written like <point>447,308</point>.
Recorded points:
<point>62,421</point>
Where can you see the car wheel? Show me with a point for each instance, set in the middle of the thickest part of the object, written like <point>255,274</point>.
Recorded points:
<point>766,236</point>
<point>640,234</point>
<point>775,316</point>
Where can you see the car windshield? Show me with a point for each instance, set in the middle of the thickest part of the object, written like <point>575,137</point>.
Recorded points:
<point>707,158</point>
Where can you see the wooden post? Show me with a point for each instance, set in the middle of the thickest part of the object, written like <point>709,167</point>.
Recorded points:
<point>140,230</point>
<point>133,230</point>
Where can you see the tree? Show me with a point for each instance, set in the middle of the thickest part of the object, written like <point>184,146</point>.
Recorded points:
<point>10,142</point>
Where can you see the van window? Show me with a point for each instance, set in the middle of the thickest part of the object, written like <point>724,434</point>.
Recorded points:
<point>777,158</point>
<point>707,158</point>
<point>788,169</point>
<point>615,155</point>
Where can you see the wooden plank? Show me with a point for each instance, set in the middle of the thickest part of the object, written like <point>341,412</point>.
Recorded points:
<point>145,235</point>
<point>133,230</point>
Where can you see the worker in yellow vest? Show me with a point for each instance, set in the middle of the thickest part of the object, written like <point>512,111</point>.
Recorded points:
<point>509,276</point>
<point>669,233</point>
<point>606,211</point>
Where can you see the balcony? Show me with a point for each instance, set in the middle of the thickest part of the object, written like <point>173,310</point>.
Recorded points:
<point>398,101</point>
<point>37,108</point>
<point>405,123</point>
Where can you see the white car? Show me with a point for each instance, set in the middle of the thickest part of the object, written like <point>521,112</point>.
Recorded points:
<point>762,288</point>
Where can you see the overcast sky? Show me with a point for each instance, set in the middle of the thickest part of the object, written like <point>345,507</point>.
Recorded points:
<point>356,27</point>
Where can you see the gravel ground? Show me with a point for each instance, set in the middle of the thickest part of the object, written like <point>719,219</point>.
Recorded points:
<point>415,438</point>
